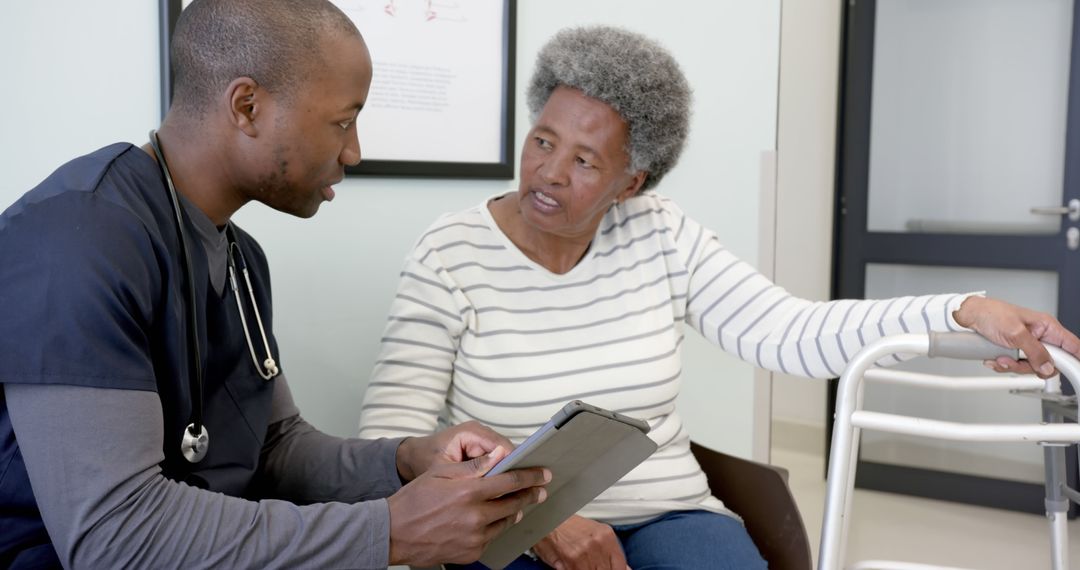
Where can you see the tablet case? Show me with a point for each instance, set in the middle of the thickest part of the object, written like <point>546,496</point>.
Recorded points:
<point>586,456</point>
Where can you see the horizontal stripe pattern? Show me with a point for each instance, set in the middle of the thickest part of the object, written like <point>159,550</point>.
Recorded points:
<point>478,331</point>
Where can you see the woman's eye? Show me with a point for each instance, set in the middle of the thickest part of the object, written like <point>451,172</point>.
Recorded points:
<point>345,124</point>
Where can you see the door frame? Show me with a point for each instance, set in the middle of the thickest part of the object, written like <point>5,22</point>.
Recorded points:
<point>855,247</point>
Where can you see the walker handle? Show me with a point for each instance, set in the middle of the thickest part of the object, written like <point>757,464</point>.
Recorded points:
<point>967,346</point>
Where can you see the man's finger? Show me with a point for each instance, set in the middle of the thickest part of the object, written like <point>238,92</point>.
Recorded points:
<point>474,440</point>
<point>482,464</point>
<point>502,525</point>
<point>508,505</point>
<point>516,480</point>
<point>506,512</point>
<point>473,468</point>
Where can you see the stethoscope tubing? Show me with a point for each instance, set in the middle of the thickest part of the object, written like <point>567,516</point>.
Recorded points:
<point>269,368</point>
<point>195,441</point>
<point>195,355</point>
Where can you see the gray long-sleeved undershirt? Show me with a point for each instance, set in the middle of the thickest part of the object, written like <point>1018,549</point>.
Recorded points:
<point>93,458</point>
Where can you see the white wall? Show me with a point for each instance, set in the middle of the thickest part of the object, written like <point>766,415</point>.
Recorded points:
<point>806,150</point>
<point>72,87</point>
<point>73,84</point>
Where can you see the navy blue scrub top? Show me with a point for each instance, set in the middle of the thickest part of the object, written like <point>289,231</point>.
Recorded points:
<point>92,294</point>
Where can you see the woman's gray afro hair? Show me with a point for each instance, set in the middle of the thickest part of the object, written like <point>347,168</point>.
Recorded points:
<point>633,74</point>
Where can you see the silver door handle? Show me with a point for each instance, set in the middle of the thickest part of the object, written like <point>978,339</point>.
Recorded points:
<point>1072,210</point>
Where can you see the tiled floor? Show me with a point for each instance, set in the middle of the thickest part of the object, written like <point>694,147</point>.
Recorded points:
<point>896,527</point>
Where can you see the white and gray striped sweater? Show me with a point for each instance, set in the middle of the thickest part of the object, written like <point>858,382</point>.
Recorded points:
<point>478,331</point>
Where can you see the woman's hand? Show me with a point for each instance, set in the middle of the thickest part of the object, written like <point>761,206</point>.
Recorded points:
<point>581,543</point>
<point>460,443</point>
<point>1017,327</point>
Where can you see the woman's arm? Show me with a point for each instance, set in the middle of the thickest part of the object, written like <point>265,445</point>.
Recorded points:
<point>733,305</point>
<point>408,385</point>
<point>748,315</point>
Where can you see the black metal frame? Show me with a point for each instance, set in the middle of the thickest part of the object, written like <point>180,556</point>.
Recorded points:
<point>502,169</point>
<point>855,247</point>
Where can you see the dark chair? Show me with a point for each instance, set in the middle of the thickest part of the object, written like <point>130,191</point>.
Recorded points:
<point>760,495</point>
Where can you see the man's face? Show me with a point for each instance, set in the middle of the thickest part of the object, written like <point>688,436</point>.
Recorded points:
<point>312,137</point>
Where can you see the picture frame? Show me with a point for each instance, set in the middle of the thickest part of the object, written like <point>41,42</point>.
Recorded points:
<point>441,103</point>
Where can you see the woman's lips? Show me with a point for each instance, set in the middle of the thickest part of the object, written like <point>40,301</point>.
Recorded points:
<point>544,203</point>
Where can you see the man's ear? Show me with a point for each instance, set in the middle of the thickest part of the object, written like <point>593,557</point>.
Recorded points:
<point>633,187</point>
<point>245,101</point>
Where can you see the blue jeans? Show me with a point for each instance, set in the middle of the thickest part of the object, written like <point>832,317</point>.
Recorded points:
<point>680,540</point>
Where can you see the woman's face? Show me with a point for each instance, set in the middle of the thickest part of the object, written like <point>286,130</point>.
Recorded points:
<point>574,165</point>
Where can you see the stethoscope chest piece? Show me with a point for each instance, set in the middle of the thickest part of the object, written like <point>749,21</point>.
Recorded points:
<point>193,445</point>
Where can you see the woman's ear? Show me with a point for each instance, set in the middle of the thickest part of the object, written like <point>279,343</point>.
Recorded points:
<point>245,104</point>
<point>633,187</point>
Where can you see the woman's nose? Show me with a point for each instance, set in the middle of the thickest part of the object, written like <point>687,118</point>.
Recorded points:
<point>555,170</point>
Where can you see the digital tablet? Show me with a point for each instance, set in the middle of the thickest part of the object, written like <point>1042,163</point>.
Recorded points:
<point>587,449</point>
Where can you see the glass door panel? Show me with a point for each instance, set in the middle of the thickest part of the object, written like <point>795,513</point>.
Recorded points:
<point>968,119</point>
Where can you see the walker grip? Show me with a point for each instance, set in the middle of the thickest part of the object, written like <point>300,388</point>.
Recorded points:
<point>967,346</point>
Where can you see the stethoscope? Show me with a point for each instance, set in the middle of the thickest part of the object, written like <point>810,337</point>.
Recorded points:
<point>196,440</point>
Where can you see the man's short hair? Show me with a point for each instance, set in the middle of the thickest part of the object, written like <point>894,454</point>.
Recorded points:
<point>274,42</point>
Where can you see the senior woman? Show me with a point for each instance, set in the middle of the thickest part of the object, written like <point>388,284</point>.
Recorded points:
<point>579,286</point>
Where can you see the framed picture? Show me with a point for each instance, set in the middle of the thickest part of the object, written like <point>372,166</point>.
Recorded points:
<point>442,95</point>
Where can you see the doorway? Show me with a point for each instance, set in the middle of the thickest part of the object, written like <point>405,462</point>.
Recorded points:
<point>958,154</point>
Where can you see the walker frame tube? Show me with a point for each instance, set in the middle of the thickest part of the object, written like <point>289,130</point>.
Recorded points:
<point>850,419</point>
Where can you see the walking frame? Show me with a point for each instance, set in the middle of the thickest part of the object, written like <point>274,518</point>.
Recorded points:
<point>1052,434</point>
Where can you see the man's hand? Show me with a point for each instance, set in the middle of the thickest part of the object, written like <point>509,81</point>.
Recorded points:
<point>451,512</point>
<point>581,543</point>
<point>416,455</point>
<point>1017,327</point>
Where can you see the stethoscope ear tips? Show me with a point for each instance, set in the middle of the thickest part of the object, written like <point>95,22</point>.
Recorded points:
<point>271,367</point>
